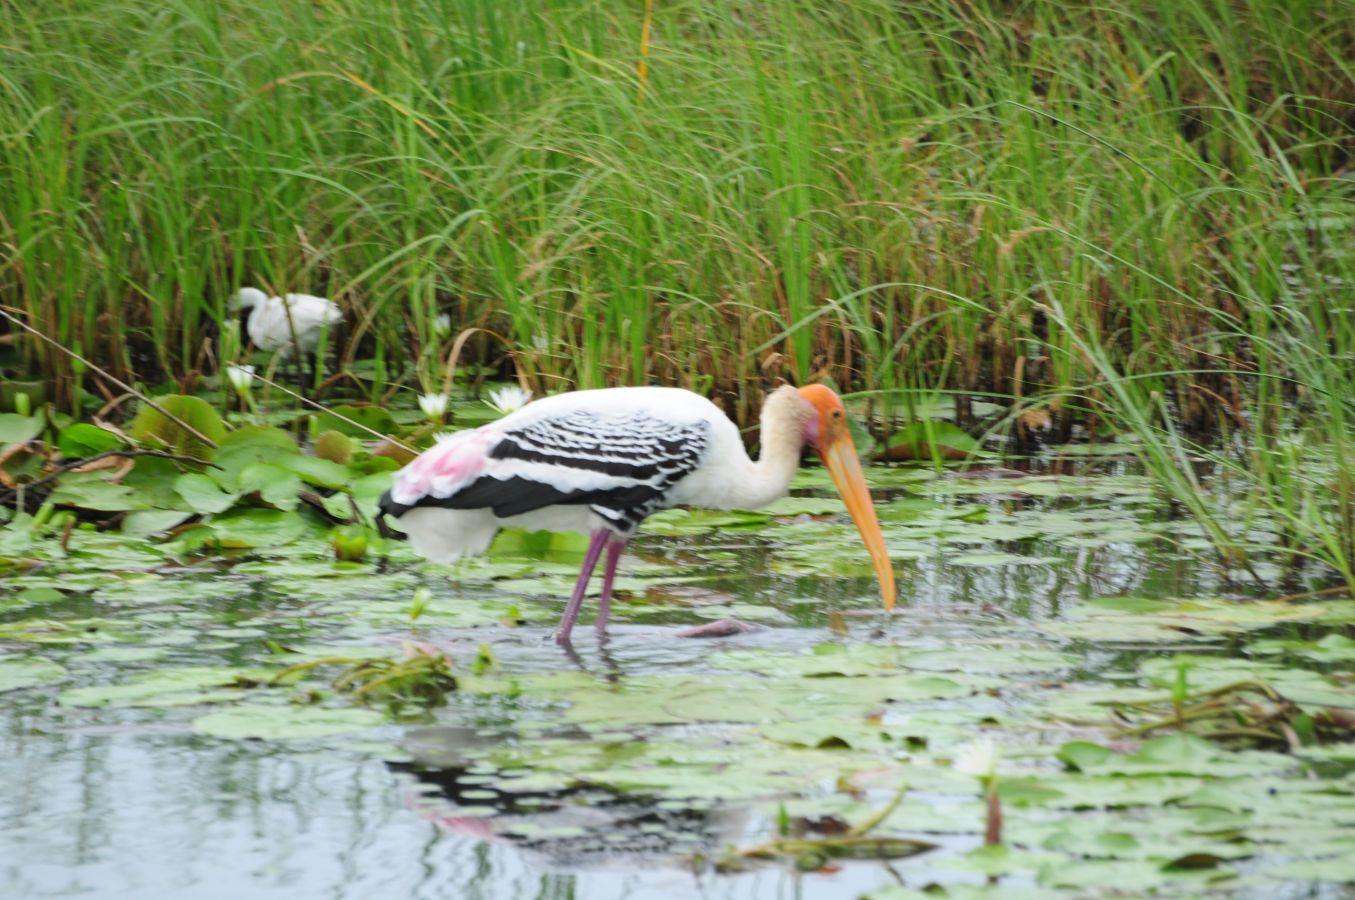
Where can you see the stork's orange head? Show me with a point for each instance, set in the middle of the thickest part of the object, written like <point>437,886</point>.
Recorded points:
<point>827,432</point>
<point>829,422</point>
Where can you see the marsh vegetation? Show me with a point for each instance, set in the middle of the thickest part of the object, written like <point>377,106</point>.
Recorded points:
<point>1084,273</point>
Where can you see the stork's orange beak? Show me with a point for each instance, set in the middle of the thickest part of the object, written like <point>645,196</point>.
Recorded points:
<point>834,446</point>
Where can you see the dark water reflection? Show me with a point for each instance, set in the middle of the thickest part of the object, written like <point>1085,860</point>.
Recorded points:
<point>163,815</point>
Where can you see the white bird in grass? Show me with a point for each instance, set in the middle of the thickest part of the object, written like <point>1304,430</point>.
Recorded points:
<point>600,461</point>
<point>284,324</point>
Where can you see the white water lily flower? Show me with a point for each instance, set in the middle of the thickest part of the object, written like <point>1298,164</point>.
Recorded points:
<point>240,377</point>
<point>442,325</point>
<point>508,399</point>
<point>434,406</point>
<point>978,758</point>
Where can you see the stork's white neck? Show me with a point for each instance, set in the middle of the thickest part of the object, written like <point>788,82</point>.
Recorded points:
<point>749,484</point>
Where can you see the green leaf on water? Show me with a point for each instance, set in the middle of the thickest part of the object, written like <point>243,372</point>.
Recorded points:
<point>152,480</point>
<point>275,485</point>
<point>93,491</point>
<point>367,490</point>
<point>316,471</point>
<point>34,596</point>
<point>202,495</point>
<point>1173,754</point>
<point>1302,686</point>
<point>1334,648</point>
<point>162,687</point>
<point>698,521</point>
<point>153,521</point>
<point>926,440</point>
<point>15,429</point>
<point>248,445</point>
<point>986,560</point>
<point>257,527</point>
<point>284,723</point>
<point>1083,756</point>
<point>805,506</point>
<point>82,440</point>
<point>17,672</point>
<point>514,542</point>
<point>1339,869</point>
<point>374,417</point>
<point>1127,876</point>
<point>156,429</point>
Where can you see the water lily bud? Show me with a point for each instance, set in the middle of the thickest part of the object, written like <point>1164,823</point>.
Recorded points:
<point>350,544</point>
<point>508,399</point>
<point>978,758</point>
<point>240,378</point>
<point>419,602</point>
<point>434,406</point>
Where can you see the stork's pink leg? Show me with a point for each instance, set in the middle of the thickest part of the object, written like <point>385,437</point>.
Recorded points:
<point>590,561</point>
<point>614,549</point>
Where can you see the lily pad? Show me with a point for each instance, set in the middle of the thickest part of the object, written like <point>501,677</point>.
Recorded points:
<point>341,417</point>
<point>17,672</point>
<point>926,440</point>
<point>162,687</point>
<point>94,491</point>
<point>151,426</point>
<point>697,521</point>
<point>153,521</point>
<point>257,528</point>
<point>202,495</point>
<point>284,723</point>
<point>252,444</point>
<point>15,429</point>
<point>1175,754</point>
<point>275,485</point>
<point>83,440</point>
<point>319,472</point>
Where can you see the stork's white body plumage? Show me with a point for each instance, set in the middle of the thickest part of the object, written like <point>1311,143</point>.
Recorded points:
<point>600,461</point>
<point>282,324</point>
<point>720,474</point>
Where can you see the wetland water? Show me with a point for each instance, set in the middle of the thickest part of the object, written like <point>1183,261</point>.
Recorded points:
<point>146,754</point>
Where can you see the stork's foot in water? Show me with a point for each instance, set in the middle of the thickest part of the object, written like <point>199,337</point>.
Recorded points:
<point>614,544</point>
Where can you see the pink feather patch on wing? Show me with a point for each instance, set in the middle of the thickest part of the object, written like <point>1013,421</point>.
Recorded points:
<point>445,468</point>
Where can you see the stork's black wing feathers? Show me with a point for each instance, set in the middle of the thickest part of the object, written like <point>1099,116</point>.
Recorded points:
<point>639,455</point>
<point>621,465</point>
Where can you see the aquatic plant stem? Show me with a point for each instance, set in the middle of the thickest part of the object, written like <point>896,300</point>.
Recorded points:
<point>110,377</point>
<point>865,826</point>
<point>16,493</point>
<point>992,832</point>
<point>321,407</point>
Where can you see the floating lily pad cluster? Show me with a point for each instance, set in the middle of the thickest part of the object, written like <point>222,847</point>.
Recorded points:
<point>176,469</point>
<point>1054,615</point>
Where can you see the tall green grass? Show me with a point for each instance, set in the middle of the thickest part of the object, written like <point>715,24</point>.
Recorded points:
<point>1143,209</point>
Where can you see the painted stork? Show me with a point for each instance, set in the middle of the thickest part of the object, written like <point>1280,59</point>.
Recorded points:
<point>600,461</point>
<point>283,324</point>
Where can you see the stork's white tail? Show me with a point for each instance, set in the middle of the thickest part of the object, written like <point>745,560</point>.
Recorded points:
<point>446,535</point>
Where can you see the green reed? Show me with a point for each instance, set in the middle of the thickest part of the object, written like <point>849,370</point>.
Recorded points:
<point>1036,199</point>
